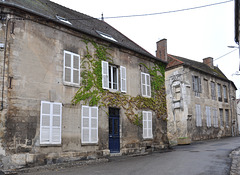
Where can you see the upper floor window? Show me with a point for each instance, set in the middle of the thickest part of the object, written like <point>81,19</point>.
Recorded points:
<point>225,94</point>
<point>50,123</point>
<point>110,77</point>
<point>71,68</point>
<point>219,92</point>
<point>145,85</point>
<point>213,91</point>
<point>197,86</point>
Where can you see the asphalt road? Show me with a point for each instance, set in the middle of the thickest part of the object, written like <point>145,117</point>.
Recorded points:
<point>201,158</point>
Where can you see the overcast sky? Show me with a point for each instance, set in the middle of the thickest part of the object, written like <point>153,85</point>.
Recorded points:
<point>193,34</point>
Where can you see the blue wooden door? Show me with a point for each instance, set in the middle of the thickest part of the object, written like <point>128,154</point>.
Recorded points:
<point>114,137</point>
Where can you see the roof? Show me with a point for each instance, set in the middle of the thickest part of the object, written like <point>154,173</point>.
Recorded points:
<point>78,21</point>
<point>175,61</point>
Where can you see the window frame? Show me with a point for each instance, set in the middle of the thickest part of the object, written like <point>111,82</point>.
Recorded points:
<point>111,77</point>
<point>215,117</point>
<point>146,134</point>
<point>227,117</point>
<point>221,117</point>
<point>72,69</point>
<point>213,90</point>
<point>197,85</point>
<point>51,126</point>
<point>225,96</point>
<point>219,92</point>
<point>89,128</point>
<point>146,85</point>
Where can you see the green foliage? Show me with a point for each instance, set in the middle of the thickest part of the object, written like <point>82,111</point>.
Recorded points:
<point>91,91</point>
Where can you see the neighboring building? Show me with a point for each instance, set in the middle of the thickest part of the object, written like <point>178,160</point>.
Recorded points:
<point>201,101</point>
<point>74,88</point>
<point>238,114</point>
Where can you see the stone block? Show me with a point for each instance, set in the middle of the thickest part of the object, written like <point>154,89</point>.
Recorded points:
<point>183,141</point>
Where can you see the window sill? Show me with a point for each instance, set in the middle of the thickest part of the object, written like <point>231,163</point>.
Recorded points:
<point>146,139</point>
<point>89,144</point>
<point>50,145</point>
<point>71,85</point>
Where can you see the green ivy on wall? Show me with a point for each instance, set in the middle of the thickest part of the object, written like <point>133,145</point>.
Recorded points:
<point>91,90</point>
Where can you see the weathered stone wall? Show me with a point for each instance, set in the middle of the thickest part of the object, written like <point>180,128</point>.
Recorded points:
<point>182,113</point>
<point>35,59</point>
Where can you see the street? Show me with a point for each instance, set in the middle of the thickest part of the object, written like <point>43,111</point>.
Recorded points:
<point>200,158</point>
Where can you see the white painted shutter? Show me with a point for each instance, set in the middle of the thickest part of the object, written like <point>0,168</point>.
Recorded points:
<point>56,122</point>
<point>199,84</point>
<point>67,67</point>
<point>149,124</point>
<point>123,79</point>
<point>145,117</point>
<point>143,84</point>
<point>148,85</point>
<point>76,69</point>
<point>105,75</point>
<point>85,124</point>
<point>94,125</point>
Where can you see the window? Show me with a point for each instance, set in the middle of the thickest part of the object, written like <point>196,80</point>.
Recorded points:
<point>198,115</point>
<point>89,124</point>
<point>227,117</point>
<point>219,92</point>
<point>147,124</point>
<point>110,77</point>
<point>145,85</point>
<point>206,88</point>
<point>63,19</point>
<point>71,68</point>
<point>213,91</point>
<point>221,116</point>
<point>208,116</point>
<point>50,123</point>
<point>215,118</point>
<point>197,86</point>
<point>107,36</point>
<point>225,94</point>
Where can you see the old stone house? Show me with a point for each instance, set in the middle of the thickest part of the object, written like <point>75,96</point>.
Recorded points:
<point>201,101</point>
<point>73,87</point>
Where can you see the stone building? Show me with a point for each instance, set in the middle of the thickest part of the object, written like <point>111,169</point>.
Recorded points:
<point>201,101</point>
<point>73,88</point>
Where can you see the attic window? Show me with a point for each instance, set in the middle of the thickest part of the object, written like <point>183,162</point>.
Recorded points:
<point>63,19</point>
<point>104,35</point>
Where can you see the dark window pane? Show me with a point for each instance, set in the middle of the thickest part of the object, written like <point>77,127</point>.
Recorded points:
<point>116,127</point>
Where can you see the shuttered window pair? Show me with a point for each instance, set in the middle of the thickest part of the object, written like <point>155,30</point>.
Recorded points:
<point>198,115</point>
<point>208,116</point>
<point>145,85</point>
<point>71,69</point>
<point>197,85</point>
<point>89,132</point>
<point>110,77</point>
<point>50,123</point>
<point>147,124</point>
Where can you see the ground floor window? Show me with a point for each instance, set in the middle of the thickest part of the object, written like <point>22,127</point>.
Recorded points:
<point>208,116</point>
<point>147,124</point>
<point>50,122</point>
<point>215,117</point>
<point>221,116</point>
<point>198,115</point>
<point>89,131</point>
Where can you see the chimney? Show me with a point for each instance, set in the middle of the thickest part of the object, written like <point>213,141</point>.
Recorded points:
<point>208,61</point>
<point>162,49</point>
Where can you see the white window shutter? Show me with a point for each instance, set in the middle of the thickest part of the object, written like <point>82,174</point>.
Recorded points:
<point>148,82</point>
<point>105,75</point>
<point>123,79</point>
<point>67,67</point>
<point>149,124</point>
<point>85,124</point>
<point>76,69</point>
<point>45,122</point>
<point>56,122</point>
<point>145,117</point>
<point>143,86</point>
<point>94,125</point>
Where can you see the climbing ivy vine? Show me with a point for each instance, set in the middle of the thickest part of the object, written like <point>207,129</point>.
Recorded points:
<point>91,90</point>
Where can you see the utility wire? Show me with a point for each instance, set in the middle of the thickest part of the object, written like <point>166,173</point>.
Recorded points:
<point>160,13</point>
